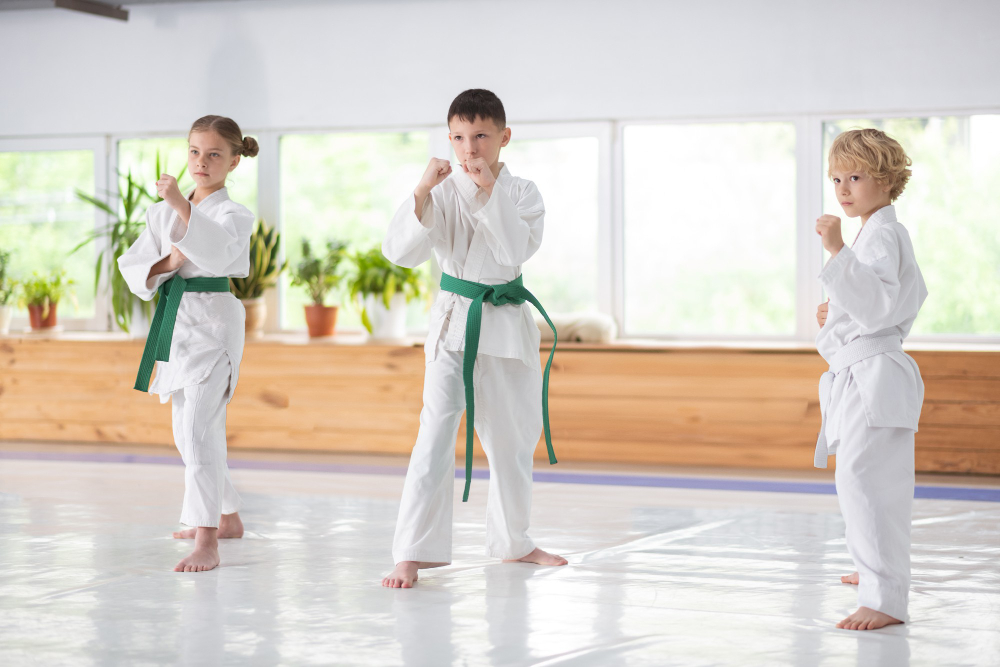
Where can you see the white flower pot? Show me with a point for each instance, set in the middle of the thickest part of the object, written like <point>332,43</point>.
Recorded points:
<point>6,315</point>
<point>388,325</point>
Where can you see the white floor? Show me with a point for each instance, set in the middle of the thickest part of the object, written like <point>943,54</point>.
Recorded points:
<point>657,576</point>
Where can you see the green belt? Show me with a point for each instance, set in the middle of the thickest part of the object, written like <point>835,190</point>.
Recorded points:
<point>161,331</point>
<point>499,295</point>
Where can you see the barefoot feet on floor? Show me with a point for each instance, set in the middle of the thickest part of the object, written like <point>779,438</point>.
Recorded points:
<point>867,619</point>
<point>206,552</point>
<point>403,576</point>
<point>541,558</point>
<point>850,579</point>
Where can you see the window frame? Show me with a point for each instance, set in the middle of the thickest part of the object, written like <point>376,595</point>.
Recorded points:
<point>802,291</point>
<point>98,145</point>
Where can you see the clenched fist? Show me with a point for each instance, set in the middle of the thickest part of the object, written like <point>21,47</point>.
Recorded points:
<point>821,313</point>
<point>828,227</point>
<point>167,188</point>
<point>437,171</point>
<point>479,171</point>
<point>175,259</point>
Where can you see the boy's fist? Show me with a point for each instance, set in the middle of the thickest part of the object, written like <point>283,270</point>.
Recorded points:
<point>479,171</point>
<point>821,313</point>
<point>167,188</point>
<point>828,226</point>
<point>437,171</point>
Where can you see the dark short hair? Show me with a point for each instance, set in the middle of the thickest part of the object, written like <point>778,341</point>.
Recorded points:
<point>478,102</point>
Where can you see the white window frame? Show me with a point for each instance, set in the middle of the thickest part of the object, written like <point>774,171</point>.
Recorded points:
<point>269,173</point>
<point>802,290</point>
<point>98,145</point>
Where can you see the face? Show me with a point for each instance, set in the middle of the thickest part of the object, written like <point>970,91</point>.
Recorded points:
<point>210,159</point>
<point>858,193</point>
<point>480,138</point>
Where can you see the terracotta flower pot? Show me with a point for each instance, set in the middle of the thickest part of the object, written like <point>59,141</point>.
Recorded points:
<point>256,314</point>
<point>321,320</point>
<point>35,316</point>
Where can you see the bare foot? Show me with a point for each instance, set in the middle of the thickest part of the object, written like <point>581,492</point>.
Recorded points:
<point>230,527</point>
<point>205,556</point>
<point>403,576</point>
<point>541,558</point>
<point>867,619</point>
<point>850,579</point>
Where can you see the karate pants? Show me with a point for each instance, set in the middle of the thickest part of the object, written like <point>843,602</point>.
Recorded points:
<point>875,479</point>
<point>199,421</point>
<point>509,424</point>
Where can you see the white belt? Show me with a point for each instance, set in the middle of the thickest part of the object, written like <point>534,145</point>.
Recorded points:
<point>859,349</point>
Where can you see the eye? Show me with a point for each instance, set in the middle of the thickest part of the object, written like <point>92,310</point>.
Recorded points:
<point>855,178</point>
<point>214,154</point>
<point>194,152</point>
<point>480,136</point>
<point>836,180</point>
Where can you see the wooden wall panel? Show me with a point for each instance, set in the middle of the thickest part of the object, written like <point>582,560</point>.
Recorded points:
<point>748,408</point>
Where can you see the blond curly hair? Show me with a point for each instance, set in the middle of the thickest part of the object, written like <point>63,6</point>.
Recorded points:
<point>875,153</point>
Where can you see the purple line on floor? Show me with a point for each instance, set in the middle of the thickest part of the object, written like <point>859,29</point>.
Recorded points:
<point>673,482</point>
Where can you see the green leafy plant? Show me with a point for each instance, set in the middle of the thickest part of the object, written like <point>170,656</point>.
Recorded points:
<point>126,225</point>
<point>7,284</point>
<point>319,274</point>
<point>264,269</point>
<point>376,276</point>
<point>46,291</point>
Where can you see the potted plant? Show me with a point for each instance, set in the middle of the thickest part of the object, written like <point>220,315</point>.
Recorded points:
<point>127,222</point>
<point>319,276</point>
<point>7,286</point>
<point>381,289</point>
<point>42,294</point>
<point>263,275</point>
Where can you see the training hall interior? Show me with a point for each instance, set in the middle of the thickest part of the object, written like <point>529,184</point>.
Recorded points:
<point>681,151</point>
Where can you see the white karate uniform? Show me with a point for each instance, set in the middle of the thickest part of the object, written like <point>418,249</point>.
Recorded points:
<point>871,403</point>
<point>485,240</point>
<point>207,344</point>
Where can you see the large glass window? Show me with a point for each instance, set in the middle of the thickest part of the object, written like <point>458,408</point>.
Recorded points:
<point>345,187</point>
<point>42,220</point>
<point>710,229</point>
<point>563,274</point>
<point>950,208</point>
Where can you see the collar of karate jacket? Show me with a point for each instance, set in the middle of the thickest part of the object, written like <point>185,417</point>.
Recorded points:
<point>218,195</point>
<point>468,188</point>
<point>883,216</point>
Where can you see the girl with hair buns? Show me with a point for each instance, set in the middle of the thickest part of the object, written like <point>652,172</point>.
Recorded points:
<point>190,248</point>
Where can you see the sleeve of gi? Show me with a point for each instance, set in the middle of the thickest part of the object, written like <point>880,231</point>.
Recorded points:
<point>513,229</point>
<point>409,241</point>
<point>137,261</point>
<point>213,245</point>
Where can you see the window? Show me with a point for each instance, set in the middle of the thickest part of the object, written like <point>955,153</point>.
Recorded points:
<point>42,220</point>
<point>950,208</point>
<point>709,229</point>
<point>563,274</point>
<point>345,187</point>
<point>139,156</point>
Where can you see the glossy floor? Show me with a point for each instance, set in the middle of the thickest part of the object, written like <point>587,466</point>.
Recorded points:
<point>743,572</point>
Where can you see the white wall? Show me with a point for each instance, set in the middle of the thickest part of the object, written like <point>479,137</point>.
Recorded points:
<point>363,63</point>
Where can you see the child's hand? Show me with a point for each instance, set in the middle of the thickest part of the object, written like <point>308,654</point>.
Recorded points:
<point>479,171</point>
<point>437,171</point>
<point>175,259</point>
<point>828,226</point>
<point>167,188</point>
<point>821,313</point>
